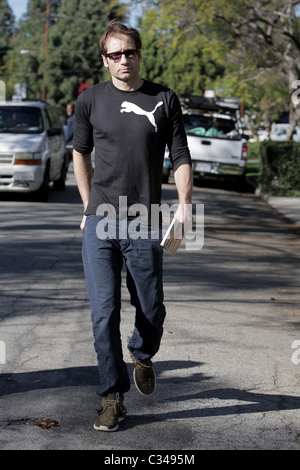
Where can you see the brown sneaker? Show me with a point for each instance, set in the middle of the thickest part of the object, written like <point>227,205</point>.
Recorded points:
<point>144,376</point>
<point>111,413</point>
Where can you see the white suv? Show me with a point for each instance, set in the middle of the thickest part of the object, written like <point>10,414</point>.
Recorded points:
<point>32,148</point>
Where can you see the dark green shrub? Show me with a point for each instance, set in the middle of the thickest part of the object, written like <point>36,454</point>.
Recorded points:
<point>280,168</point>
<point>253,150</point>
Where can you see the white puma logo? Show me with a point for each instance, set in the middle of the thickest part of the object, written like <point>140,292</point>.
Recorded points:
<point>128,107</point>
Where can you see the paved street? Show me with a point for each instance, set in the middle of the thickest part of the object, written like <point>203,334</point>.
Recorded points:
<point>229,363</point>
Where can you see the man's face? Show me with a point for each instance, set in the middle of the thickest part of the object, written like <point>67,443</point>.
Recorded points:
<point>69,109</point>
<point>127,68</point>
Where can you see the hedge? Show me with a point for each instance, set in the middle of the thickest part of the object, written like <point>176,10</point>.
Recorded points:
<point>280,168</point>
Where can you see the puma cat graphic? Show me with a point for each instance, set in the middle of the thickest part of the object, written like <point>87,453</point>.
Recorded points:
<point>128,107</point>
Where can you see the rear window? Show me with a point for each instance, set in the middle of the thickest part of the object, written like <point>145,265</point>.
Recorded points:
<point>21,120</point>
<point>210,125</point>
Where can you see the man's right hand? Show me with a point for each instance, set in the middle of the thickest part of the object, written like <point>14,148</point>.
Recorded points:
<point>83,222</point>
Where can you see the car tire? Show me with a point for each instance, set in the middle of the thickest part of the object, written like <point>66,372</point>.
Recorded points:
<point>42,194</point>
<point>60,184</point>
<point>241,182</point>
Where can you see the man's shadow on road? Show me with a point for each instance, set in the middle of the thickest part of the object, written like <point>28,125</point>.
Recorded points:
<point>244,402</point>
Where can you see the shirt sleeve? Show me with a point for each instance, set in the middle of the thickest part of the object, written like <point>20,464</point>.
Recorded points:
<point>176,139</point>
<point>83,141</point>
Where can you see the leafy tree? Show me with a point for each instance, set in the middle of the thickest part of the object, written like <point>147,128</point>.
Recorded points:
<point>191,69</point>
<point>253,40</point>
<point>25,59</point>
<point>7,29</point>
<point>73,51</point>
<point>7,20</point>
<point>56,53</point>
<point>185,65</point>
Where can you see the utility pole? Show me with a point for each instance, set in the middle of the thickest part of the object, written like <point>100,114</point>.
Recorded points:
<point>46,46</point>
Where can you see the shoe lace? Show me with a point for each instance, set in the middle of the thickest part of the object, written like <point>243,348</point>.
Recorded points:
<point>117,404</point>
<point>147,364</point>
<point>120,405</point>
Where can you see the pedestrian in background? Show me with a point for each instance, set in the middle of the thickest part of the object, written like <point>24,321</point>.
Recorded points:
<point>69,132</point>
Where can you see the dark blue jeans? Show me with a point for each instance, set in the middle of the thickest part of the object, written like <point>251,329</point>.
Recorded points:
<point>103,261</point>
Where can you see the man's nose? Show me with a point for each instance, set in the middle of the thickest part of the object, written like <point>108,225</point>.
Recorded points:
<point>124,59</point>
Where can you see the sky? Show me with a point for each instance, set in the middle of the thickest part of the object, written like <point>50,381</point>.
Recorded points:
<point>18,7</point>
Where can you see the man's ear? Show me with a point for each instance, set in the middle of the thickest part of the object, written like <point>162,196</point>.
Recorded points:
<point>105,61</point>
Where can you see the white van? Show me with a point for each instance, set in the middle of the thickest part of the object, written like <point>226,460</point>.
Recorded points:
<point>32,148</point>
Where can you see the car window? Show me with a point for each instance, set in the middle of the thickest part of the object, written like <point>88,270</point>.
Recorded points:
<point>54,119</point>
<point>210,125</point>
<point>48,122</point>
<point>21,120</point>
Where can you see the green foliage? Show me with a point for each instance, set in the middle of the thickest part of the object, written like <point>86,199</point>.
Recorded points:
<point>186,65</point>
<point>280,168</point>
<point>253,150</point>
<point>238,48</point>
<point>6,28</point>
<point>71,55</point>
<point>255,46</point>
<point>73,51</point>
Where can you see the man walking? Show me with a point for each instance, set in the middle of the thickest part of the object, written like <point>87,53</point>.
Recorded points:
<point>128,121</point>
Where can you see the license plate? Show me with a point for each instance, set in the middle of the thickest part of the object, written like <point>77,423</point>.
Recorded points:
<point>204,167</point>
<point>24,177</point>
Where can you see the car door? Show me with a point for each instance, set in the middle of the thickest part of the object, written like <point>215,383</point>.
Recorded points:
<point>56,143</point>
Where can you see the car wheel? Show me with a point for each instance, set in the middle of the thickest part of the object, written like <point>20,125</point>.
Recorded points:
<point>60,184</point>
<point>42,193</point>
<point>240,182</point>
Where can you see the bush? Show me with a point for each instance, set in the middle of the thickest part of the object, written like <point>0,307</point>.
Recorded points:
<point>253,150</point>
<point>280,168</point>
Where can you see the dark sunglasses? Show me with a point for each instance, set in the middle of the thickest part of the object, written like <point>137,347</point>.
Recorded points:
<point>116,56</point>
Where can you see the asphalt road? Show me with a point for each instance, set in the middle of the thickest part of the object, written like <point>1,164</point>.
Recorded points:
<point>228,367</point>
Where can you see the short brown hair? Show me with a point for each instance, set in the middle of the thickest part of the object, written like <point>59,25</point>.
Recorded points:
<point>115,28</point>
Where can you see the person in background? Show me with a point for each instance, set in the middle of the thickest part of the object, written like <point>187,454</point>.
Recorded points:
<point>69,131</point>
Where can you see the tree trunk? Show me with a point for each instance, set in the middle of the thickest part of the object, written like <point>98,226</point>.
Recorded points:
<point>294,111</point>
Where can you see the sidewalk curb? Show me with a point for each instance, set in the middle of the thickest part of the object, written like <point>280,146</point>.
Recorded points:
<point>284,205</point>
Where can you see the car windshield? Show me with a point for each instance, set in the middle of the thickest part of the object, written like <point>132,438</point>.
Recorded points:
<point>210,125</point>
<point>21,120</point>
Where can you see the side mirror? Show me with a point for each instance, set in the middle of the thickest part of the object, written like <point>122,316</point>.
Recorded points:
<point>54,131</point>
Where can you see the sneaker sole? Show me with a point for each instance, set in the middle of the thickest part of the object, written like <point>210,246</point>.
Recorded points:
<point>106,428</point>
<point>138,389</point>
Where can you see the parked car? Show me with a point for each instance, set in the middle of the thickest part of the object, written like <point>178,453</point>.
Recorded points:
<point>167,168</point>
<point>32,148</point>
<point>215,137</point>
<point>279,133</point>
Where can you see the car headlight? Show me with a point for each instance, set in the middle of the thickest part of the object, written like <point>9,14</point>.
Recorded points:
<point>28,155</point>
<point>28,158</point>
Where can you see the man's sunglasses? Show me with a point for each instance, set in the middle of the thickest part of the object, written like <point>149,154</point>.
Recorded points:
<point>116,56</point>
